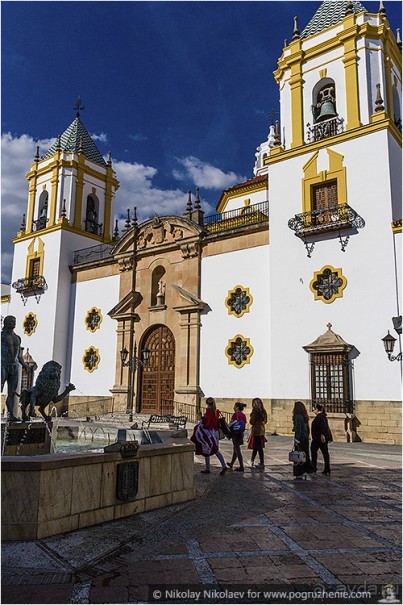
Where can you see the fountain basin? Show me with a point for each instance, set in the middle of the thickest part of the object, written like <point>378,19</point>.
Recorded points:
<point>47,494</point>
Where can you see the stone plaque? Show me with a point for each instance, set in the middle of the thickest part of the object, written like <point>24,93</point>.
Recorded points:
<point>127,480</point>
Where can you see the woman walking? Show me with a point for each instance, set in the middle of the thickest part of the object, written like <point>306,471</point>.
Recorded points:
<point>257,439</point>
<point>210,422</point>
<point>301,439</point>
<point>237,432</point>
<point>320,438</point>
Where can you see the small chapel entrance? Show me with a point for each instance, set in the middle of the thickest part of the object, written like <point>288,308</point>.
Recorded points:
<point>158,376</point>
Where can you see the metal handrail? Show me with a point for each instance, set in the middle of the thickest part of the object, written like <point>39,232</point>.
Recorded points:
<point>240,217</point>
<point>325,219</point>
<point>327,128</point>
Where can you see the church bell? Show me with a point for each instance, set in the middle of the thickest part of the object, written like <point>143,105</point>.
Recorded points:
<point>327,111</point>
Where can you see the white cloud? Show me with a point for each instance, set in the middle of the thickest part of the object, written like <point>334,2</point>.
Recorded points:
<point>100,137</point>
<point>136,189</point>
<point>204,174</point>
<point>17,155</point>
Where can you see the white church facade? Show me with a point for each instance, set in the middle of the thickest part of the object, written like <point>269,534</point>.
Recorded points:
<point>284,294</point>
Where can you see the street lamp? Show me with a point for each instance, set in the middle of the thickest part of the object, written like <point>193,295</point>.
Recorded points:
<point>389,344</point>
<point>133,363</point>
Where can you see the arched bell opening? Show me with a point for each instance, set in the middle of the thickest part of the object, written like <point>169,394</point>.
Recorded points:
<point>324,100</point>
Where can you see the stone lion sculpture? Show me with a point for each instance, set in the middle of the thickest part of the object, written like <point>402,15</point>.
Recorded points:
<point>45,391</point>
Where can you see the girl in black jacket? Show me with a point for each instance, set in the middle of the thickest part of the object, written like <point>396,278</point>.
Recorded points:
<point>320,435</point>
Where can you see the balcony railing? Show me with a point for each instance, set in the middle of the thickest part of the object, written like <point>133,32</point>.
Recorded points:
<point>322,130</point>
<point>328,219</point>
<point>30,286</point>
<point>89,255</point>
<point>233,219</point>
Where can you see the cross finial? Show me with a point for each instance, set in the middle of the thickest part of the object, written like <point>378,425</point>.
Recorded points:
<point>329,326</point>
<point>78,107</point>
<point>272,116</point>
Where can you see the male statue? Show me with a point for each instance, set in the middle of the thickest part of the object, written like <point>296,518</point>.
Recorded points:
<point>11,356</point>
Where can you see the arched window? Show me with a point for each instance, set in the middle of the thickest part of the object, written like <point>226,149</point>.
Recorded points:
<point>42,211</point>
<point>324,100</point>
<point>157,286</point>
<point>91,215</point>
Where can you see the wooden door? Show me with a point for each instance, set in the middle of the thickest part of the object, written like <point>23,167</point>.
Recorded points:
<point>325,199</point>
<point>158,375</point>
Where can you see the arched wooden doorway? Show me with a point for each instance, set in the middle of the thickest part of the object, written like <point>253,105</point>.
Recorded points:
<point>158,375</point>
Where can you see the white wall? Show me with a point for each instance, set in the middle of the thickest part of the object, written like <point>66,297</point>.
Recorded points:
<point>221,273</point>
<point>103,294</point>
<point>363,315</point>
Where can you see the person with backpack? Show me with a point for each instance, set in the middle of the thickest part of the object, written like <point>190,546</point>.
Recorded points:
<point>321,436</point>
<point>210,422</point>
<point>237,427</point>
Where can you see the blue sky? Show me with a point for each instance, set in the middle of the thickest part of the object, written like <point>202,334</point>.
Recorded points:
<point>179,92</point>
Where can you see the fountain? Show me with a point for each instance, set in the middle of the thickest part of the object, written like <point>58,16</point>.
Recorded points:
<point>51,493</point>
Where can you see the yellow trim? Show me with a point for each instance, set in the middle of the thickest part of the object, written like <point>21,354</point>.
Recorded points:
<point>78,200</point>
<point>388,76</point>
<point>364,30</point>
<point>33,255</point>
<point>397,226</point>
<point>339,294</point>
<point>248,305</point>
<point>53,196</point>
<point>35,324</point>
<point>90,370</point>
<point>336,172</point>
<point>62,226</point>
<point>230,343</point>
<point>337,139</point>
<point>108,201</point>
<point>239,192</point>
<point>6,298</point>
<point>348,37</point>
<point>87,317</point>
<point>32,182</point>
<point>322,73</point>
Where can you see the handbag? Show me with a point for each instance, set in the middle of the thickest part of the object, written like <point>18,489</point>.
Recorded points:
<point>223,430</point>
<point>297,456</point>
<point>236,426</point>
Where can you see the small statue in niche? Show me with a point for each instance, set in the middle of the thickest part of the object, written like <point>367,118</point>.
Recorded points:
<point>161,294</point>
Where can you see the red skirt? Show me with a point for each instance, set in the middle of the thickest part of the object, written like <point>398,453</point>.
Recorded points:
<point>251,438</point>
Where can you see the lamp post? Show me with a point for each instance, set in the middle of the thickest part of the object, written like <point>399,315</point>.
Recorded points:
<point>133,363</point>
<point>389,344</point>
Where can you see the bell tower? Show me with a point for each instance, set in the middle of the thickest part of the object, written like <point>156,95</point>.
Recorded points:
<point>71,191</point>
<point>335,197</point>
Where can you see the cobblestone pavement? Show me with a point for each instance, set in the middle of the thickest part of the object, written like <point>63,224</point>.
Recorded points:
<point>252,530</point>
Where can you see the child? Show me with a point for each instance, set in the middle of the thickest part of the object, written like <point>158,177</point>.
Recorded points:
<point>237,437</point>
<point>258,419</point>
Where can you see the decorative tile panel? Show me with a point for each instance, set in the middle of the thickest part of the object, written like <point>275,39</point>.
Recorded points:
<point>238,301</point>
<point>91,359</point>
<point>328,284</point>
<point>30,324</point>
<point>93,319</point>
<point>239,351</point>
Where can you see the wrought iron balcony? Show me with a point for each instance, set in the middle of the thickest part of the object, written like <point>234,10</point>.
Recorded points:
<point>329,219</point>
<point>93,227</point>
<point>40,224</point>
<point>30,286</point>
<point>233,219</point>
<point>322,130</point>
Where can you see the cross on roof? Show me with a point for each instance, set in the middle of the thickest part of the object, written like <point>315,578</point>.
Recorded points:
<point>78,107</point>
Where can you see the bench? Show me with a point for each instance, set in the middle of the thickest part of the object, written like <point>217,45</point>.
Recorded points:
<point>177,421</point>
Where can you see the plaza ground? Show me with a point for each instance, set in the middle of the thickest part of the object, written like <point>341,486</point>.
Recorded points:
<point>252,531</point>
